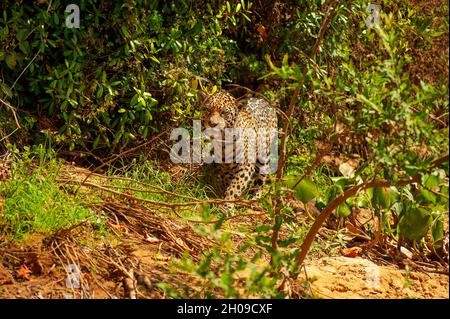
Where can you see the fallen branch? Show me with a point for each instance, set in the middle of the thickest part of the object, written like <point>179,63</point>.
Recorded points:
<point>247,204</point>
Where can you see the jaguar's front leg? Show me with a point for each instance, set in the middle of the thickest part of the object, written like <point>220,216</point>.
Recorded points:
<point>238,183</point>
<point>259,178</point>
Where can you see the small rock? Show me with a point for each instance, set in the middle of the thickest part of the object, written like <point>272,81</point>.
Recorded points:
<point>67,295</point>
<point>407,253</point>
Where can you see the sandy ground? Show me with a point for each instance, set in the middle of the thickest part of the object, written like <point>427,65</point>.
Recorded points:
<point>344,277</point>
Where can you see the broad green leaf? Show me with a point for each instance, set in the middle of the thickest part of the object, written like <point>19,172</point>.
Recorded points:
<point>21,34</point>
<point>415,223</point>
<point>426,197</point>
<point>431,180</point>
<point>24,47</point>
<point>306,190</point>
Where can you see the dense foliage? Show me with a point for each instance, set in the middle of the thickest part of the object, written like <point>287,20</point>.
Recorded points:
<point>374,95</point>
<point>127,69</point>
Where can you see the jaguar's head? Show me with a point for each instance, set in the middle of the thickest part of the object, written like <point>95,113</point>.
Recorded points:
<point>219,111</point>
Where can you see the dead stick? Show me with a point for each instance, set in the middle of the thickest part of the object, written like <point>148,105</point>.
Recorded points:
<point>159,203</point>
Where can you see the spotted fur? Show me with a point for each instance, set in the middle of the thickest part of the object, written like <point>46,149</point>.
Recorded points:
<point>222,111</point>
<point>5,170</point>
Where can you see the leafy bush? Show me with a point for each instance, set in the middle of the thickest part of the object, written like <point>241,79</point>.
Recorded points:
<point>119,77</point>
<point>395,127</point>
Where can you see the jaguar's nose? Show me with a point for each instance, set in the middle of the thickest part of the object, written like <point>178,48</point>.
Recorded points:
<point>213,122</point>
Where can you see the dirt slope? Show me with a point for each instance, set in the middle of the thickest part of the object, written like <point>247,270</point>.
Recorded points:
<point>344,277</point>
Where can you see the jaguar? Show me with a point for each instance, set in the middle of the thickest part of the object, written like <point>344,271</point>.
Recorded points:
<point>223,111</point>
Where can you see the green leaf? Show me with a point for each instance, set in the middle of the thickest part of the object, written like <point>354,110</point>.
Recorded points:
<point>381,197</point>
<point>154,59</point>
<point>415,223</point>
<point>263,228</point>
<point>342,182</point>
<point>333,192</point>
<point>21,34</point>
<point>96,141</point>
<point>5,89</point>
<point>321,203</point>
<point>24,47</point>
<point>246,17</point>
<point>287,242</point>
<point>362,201</point>
<point>306,190</point>
<point>431,180</point>
<point>343,210</point>
<point>226,280</point>
<point>11,61</point>
<point>99,92</point>
<point>426,197</point>
<point>130,136</point>
<point>437,230</point>
<point>285,60</point>
<point>278,222</point>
